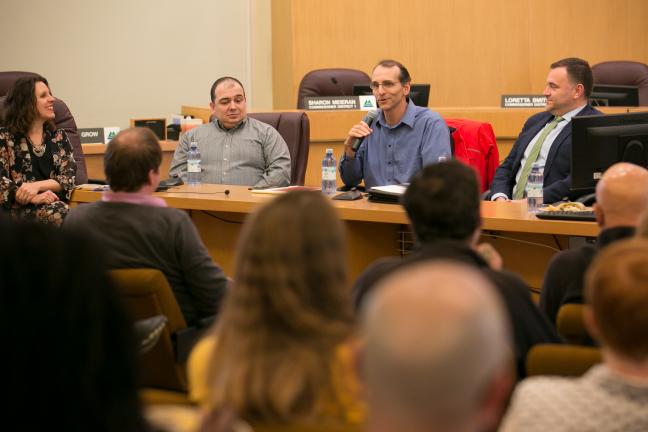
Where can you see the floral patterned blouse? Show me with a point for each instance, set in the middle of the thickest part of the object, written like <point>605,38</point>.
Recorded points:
<point>16,164</point>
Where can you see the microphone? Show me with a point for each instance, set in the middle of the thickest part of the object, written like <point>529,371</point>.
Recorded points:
<point>226,192</point>
<point>369,119</point>
<point>337,84</point>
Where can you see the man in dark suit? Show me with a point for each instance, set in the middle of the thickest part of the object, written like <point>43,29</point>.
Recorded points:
<point>546,136</point>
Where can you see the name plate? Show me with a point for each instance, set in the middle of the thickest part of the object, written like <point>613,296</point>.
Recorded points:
<point>523,101</point>
<point>364,103</point>
<point>97,135</point>
<point>158,126</point>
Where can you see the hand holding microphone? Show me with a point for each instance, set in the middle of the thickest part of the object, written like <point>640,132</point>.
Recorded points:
<point>358,132</point>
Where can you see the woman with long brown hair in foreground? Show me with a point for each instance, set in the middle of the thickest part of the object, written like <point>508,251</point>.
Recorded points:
<point>281,351</point>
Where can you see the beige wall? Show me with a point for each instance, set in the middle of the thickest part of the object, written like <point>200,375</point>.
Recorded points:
<point>261,55</point>
<point>471,51</point>
<point>120,59</point>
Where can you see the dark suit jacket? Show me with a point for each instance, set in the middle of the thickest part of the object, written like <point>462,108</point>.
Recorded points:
<point>563,281</point>
<point>557,170</point>
<point>529,326</point>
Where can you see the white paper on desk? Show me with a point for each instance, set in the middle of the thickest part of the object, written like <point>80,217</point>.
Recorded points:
<point>389,189</point>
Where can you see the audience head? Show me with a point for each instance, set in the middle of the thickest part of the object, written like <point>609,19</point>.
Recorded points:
<point>68,341</point>
<point>569,85</point>
<point>616,291</point>
<point>437,353</point>
<point>642,229</point>
<point>28,101</point>
<point>132,161</point>
<point>228,103</point>
<point>442,203</point>
<point>287,312</point>
<point>621,195</point>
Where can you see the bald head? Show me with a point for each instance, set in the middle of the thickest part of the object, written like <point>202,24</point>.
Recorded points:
<point>436,336</point>
<point>130,158</point>
<point>622,195</point>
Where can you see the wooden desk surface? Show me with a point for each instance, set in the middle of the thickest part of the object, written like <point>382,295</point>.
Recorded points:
<point>373,230</point>
<point>509,216</point>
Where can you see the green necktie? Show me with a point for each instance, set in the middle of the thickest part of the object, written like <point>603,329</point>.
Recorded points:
<point>535,151</point>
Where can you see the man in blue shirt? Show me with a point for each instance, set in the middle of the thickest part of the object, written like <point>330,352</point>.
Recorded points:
<point>403,139</point>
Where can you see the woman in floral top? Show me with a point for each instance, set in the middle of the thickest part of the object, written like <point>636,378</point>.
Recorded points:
<point>37,168</point>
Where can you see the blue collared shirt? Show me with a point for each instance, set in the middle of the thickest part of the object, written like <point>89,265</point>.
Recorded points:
<point>393,154</point>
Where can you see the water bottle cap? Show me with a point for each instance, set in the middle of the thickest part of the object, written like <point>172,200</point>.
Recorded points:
<point>193,144</point>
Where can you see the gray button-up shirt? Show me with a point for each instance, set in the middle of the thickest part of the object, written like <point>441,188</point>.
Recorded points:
<point>252,153</point>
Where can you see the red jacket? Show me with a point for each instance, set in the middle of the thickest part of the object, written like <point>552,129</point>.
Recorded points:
<point>474,144</point>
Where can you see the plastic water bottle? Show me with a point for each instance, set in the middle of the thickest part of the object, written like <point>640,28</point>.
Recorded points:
<point>194,174</point>
<point>329,173</point>
<point>534,188</point>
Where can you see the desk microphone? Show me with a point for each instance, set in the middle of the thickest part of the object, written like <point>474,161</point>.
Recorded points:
<point>337,84</point>
<point>369,119</point>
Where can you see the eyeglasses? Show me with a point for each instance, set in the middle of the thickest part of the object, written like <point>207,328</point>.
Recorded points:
<point>386,85</point>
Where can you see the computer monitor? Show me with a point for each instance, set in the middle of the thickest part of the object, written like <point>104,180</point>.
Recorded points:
<point>614,95</point>
<point>419,93</point>
<point>601,141</point>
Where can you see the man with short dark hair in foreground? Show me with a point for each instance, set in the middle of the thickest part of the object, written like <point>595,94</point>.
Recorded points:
<point>138,230</point>
<point>612,396</point>
<point>443,204</point>
<point>436,354</point>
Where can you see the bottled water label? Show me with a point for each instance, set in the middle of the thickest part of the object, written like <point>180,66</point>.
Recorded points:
<point>329,173</point>
<point>193,166</point>
<point>534,191</point>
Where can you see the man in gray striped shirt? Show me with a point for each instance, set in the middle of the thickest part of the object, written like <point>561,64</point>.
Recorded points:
<point>235,149</point>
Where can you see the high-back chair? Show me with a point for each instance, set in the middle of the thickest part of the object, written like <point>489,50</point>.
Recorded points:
<point>570,324</point>
<point>562,360</point>
<point>63,119</point>
<point>294,127</point>
<point>330,82</point>
<point>147,293</point>
<point>623,73</point>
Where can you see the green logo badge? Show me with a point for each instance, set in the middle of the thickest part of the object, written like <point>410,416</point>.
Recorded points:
<point>367,104</point>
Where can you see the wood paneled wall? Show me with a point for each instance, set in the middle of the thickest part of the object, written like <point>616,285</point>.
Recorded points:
<point>471,51</point>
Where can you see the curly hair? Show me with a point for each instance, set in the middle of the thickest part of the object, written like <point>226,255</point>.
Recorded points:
<point>20,105</point>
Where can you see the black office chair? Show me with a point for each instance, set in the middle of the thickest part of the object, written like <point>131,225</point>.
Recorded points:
<point>623,73</point>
